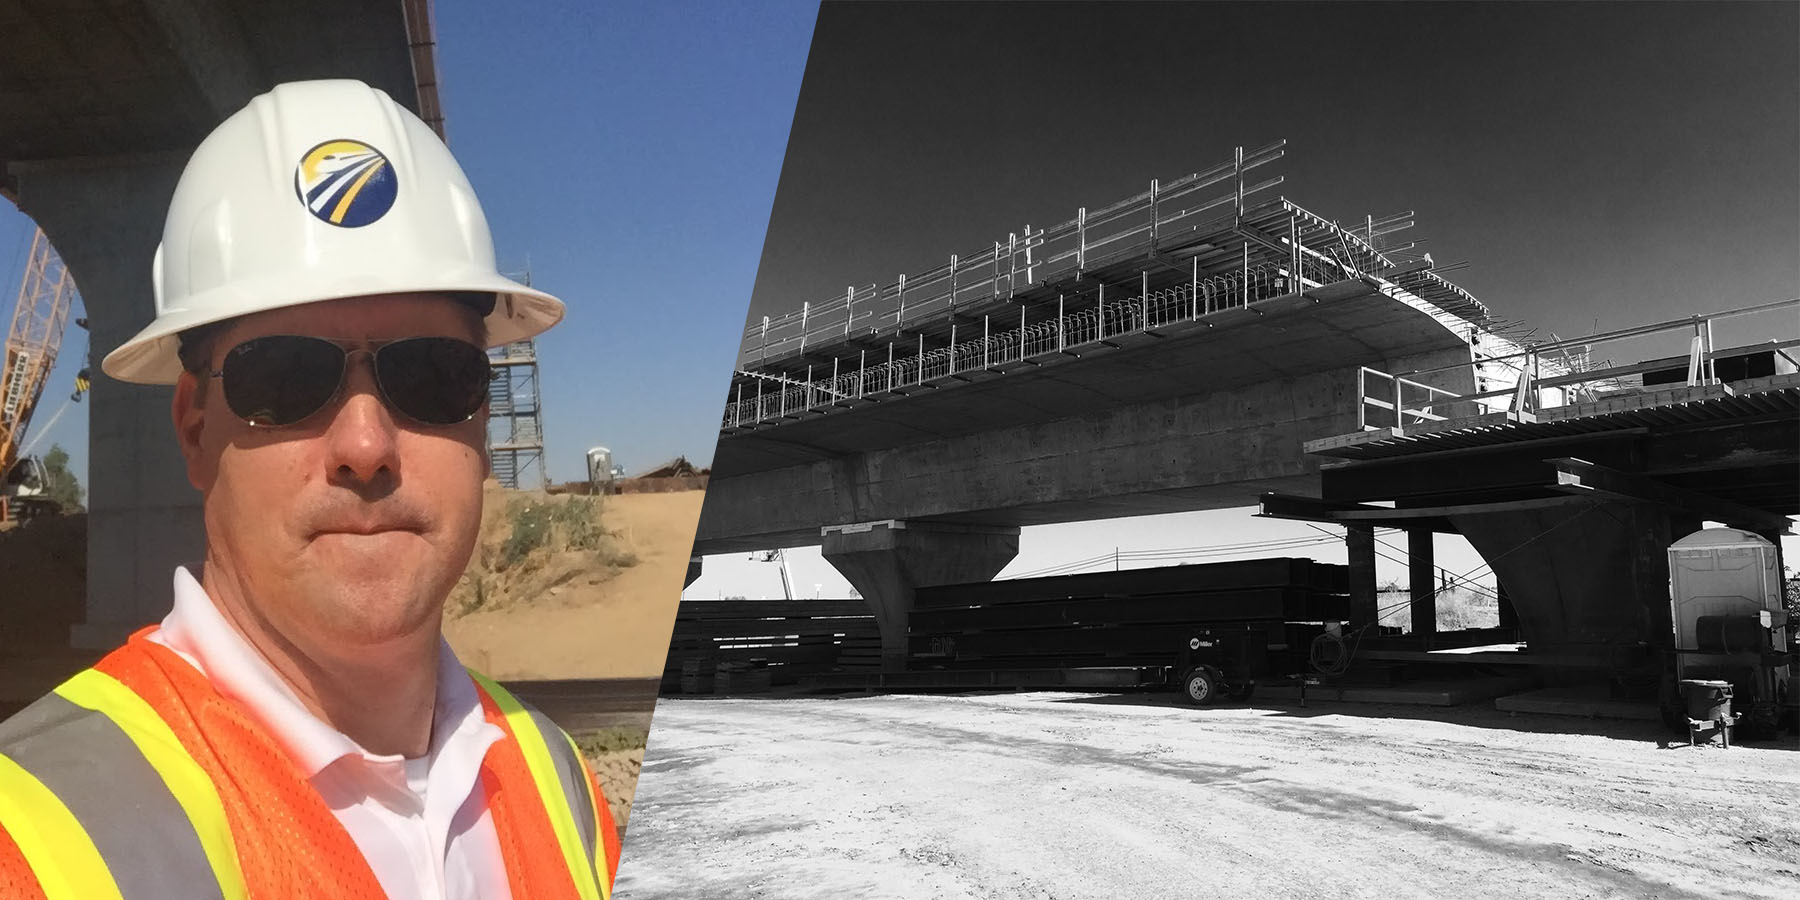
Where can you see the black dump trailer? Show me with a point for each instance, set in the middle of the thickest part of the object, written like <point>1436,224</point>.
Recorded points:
<point>1210,631</point>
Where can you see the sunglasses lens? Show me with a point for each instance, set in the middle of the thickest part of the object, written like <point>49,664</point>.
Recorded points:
<point>281,379</point>
<point>435,381</point>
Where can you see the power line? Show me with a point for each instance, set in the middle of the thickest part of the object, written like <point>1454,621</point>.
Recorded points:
<point>1150,555</point>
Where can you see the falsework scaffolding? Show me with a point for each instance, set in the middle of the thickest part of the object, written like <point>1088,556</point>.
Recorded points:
<point>1186,250</point>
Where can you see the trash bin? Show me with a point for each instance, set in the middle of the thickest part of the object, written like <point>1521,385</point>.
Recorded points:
<point>1709,711</point>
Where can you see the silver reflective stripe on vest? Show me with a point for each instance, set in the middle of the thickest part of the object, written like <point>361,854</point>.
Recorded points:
<point>574,781</point>
<point>89,763</point>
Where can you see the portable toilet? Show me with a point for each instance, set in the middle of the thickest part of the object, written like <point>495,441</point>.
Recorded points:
<point>1726,600</point>
<point>600,468</point>
<point>1721,572</point>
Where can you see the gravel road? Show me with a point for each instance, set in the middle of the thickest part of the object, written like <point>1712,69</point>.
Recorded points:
<point>1059,795</point>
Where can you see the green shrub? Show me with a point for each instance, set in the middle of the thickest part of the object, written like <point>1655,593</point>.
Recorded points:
<point>578,521</point>
<point>530,523</point>
<point>556,526</point>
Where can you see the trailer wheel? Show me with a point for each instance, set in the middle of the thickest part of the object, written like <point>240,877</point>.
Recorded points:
<point>1200,685</point>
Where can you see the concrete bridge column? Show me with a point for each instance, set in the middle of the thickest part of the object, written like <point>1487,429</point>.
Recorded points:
<point>1584,578</point>
<point>1509,614</point>
<point>887,562</point>
<point>1421,565</point>
<point>105,218</point>
<point>1360,544</point>
<point>693,571</point>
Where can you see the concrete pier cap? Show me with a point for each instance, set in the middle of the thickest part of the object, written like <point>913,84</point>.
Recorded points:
<point>887,562</point>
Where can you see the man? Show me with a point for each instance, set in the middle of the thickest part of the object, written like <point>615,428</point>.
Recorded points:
<point>297,726</point>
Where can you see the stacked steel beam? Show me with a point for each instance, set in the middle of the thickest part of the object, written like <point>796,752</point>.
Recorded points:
<point>1136,617</point>
<point>788,637</point>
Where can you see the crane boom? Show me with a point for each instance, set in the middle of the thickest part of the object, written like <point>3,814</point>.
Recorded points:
<point>46,293</point>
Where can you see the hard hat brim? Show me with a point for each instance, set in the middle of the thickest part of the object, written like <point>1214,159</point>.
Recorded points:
<point>150,356</point>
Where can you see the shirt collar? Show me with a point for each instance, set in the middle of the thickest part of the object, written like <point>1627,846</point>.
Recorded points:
<point>197,631</point>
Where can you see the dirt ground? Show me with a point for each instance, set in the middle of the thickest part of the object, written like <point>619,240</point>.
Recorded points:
<point>595,623</point>
<point>618,772</point>
<point>1058,795</point>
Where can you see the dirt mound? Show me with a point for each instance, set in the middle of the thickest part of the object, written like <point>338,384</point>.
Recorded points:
<point>531,546</point>
<point>573,587</point>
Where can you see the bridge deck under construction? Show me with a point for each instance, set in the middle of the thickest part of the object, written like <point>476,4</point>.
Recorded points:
<point>1178,254</point>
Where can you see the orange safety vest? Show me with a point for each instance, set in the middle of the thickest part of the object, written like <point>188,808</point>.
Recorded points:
<point>136,779</point>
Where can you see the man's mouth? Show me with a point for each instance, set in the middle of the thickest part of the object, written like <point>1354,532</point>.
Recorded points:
<point>367,528</point>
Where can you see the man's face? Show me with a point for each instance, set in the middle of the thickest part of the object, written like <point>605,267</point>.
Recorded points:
<point>349,528</point>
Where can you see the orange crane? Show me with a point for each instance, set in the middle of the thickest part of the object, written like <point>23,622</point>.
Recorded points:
<point>46,294</point>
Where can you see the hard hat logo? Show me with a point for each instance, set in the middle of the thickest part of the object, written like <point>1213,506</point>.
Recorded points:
<point>346,183</point>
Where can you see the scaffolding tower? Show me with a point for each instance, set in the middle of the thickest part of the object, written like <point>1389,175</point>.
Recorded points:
<point>515,426</point>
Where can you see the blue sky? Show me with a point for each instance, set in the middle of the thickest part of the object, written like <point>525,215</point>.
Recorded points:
<point>628,153</point>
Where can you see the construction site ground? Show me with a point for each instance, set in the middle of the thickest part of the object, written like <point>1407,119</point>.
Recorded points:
<point>1061,795</point>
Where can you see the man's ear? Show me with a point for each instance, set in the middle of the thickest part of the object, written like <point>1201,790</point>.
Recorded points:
<point>189,416</point>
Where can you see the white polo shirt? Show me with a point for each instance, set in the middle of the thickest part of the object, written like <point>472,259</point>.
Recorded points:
<point>423,824</point>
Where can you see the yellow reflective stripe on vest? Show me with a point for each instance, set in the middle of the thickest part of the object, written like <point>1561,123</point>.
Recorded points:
<point>594,800</point>
<point>192,788</point>
<point>58,849</point>
<point>543,775</point>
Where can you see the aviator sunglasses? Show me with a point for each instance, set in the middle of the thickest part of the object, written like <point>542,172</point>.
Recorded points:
<point>283,379</point>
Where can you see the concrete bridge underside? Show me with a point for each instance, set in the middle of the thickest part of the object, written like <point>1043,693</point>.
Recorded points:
<point>1204,418</point>
<point>1575,513</point>
<point>100,105</point>
<point>931,487</point>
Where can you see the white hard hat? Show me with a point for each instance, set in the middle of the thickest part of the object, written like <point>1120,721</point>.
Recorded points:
<point>319,190</point>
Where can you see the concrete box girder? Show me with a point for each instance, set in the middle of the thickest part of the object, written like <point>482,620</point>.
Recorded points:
<point>1102,437</point>
<point>1203,452</point>
<point>1292,337</point>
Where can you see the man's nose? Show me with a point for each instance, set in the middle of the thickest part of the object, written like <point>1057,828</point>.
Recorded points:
<point>362,440</point>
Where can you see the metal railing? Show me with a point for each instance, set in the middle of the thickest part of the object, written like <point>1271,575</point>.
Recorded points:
<point>1135,226</point>
<point>1393,399</point>
<point>774,397</point>
<point>1561,373</point>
